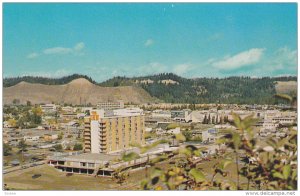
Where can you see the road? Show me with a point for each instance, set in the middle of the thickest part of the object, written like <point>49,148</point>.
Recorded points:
<point>24,166</point>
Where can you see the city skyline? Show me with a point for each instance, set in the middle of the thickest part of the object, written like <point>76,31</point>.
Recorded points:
<point>190,40</point>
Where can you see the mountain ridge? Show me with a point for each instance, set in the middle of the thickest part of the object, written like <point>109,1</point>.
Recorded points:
<point>171,88</point>
<point>78,92</point>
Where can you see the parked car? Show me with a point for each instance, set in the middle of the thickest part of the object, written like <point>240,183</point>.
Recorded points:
<point>36,176</point>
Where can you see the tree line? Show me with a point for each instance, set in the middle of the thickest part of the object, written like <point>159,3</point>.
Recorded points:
<point>238,90</point>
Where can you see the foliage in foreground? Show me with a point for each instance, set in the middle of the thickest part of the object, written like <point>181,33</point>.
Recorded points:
<point>273,167</point>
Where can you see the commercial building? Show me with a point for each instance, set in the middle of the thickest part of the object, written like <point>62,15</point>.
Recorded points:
<point>48,108</point>
<point>180,115</point>
<point>161,114</point>
<point>105,134</point>
<point>110,105</point>
<point>102,164</point>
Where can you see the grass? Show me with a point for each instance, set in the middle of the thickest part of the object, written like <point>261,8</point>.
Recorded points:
<point>52,179</point>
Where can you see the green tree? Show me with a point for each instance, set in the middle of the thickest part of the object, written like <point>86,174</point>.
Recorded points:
<point>77,146</point>
<point>28,103</point>
<point>60,136</point>
<point>205,120</point>
<point>22,145</point>
<point>16,101</point>
<point>187,134</point>
<point>58,147</point>
<point>6,149</point>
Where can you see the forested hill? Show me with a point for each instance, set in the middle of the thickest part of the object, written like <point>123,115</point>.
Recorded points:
<point>7,82</point>
<point>171,88</point>
<point>175,89</point>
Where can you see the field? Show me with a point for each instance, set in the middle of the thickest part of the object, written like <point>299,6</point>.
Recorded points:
<point>52,179</point>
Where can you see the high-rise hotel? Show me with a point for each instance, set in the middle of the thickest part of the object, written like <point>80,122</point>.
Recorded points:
<point>114,132</point>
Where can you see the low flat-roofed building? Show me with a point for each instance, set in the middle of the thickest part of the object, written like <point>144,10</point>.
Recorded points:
<point>48,108</point>
<point>68,109</point>
<point>68,115</point>
<point>103,164</point>
<point>161,114</point>
<point>110,105</point>
<point>180,115</point>
<point>31,138</point>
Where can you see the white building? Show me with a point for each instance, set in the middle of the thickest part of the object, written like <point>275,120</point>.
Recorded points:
<point>195,117</point>
<point>209,135</point>
<point>180,115</point>
<point>48,108</point>
<point>268,124</point>
<point>110,105</point>
<point>31,138</point>
<point>68,109</point>
<point>174,131</point>
<point>128,111</point>
<point>161,114</point>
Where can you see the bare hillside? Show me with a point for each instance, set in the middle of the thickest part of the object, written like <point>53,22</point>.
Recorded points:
<point>79,91</point>
<point>286,87</point>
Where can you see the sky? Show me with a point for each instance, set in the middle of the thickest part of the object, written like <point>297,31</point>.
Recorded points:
<point>103,40</point>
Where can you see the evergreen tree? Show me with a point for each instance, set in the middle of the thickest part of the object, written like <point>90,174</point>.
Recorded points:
<point>204,120</point>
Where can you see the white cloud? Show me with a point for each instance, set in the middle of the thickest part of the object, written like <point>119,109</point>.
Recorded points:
<point>79,46</point>
<point>242,59</point>
<point>284,60</point>
<point>62,50</point>
<point>149,42</point>
<point>285,57</point>
<point>32,55</point>
<point>57,50</point>
<point>181,69</point>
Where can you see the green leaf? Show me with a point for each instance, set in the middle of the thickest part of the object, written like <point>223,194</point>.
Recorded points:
<point>278,175</point>
<point>191,147</point>
<point>144,184</point>
<point>226,163</point>
<point>180,137</point>
<point>135,145</point>
<point>151,146</point>
<point>248,122</point>
<point>158,159</point>
<point>236,140</point>
<point>294,174</point>
<point>156,172</point>
<point>197,175</point>
<point>130,156</point>
<point>286,171</point>
<point>237,120</point>
<point>284,97</point>
<point>186,152</point>
<point>197,153</point>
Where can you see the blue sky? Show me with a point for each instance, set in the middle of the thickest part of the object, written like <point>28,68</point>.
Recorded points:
<point>191,40</point>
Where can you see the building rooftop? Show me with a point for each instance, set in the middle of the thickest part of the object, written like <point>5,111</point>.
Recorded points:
<point>87,157</point>
<point>35,132</point>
